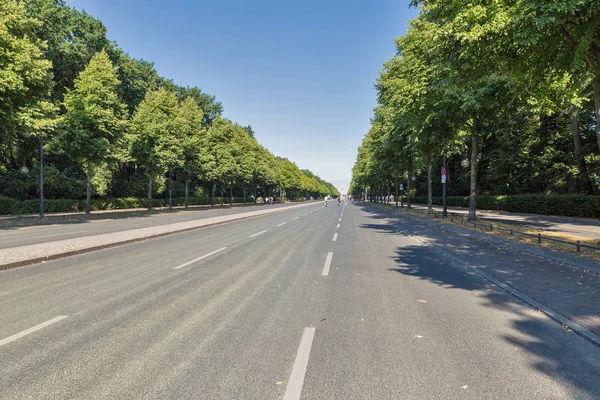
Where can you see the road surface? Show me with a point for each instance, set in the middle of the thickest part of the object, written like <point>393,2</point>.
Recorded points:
<point>310,303</point>
<point>75,227</point>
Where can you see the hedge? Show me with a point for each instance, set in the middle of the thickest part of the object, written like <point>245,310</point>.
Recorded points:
<point>10,206</point>
<point>555,204</point>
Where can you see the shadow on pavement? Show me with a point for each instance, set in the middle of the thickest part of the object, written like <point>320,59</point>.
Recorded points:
<point>562,356</point>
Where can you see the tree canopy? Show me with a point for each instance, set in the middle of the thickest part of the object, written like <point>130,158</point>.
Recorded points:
<point>116,128</point>
<point>510,87</point>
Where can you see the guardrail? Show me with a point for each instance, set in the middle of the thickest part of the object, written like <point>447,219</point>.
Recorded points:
<point>464,221</point>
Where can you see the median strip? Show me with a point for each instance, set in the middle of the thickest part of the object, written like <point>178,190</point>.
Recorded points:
<point>200,258</point>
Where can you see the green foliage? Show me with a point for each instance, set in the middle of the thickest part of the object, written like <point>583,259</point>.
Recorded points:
<point>95,119</point>
<point>62,81</point>
<point>514,83</point>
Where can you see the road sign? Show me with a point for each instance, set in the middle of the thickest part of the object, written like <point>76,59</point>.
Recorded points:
<point>444,171</point>
<point>443,178</point>
<point>402,186</point>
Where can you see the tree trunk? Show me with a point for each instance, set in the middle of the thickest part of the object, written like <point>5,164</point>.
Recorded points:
<point>212,194</point>
<point>244,190</point>
<point>596,86</point>
<point>149,191</point>
<point>222,194</point>
<point>186,192</point>
<point>408,187</point>
<point>41,176</point>
<point>584,183</point>
<point>429,187</point>
<point>88,188</point>
<point>170,190</point>
<point>396,195</point>
<point>231,195</point>
<point>474,162</point>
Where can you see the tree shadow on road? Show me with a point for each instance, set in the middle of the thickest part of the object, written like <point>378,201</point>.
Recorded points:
<point>553,351</point>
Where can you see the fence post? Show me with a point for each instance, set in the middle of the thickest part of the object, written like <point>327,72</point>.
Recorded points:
<point>539,238</point>
<point>578,246</point>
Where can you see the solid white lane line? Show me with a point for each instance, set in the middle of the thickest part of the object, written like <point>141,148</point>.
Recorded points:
<point>295,218</point>
<point>31,330</point>
<point>281,224</point>
<point>296,380</point>
<point>56,234</point>
<point>258,233</point>
<point>335,237</point>
<point>338,226</point>
<point>200,258</point>
<point>327,264</point>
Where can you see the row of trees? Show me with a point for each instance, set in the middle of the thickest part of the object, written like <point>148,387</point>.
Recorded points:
<point>109,125</point>
<point>515,83</point>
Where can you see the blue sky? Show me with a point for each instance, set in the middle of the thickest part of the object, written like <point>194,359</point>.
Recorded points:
<point>300,72</point>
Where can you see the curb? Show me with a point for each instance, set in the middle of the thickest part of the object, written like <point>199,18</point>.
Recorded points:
<point>52,257</point>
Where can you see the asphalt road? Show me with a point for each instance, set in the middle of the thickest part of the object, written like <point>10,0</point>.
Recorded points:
<point>585,228</point>
<point>273,308</point>
<point>75,227</point>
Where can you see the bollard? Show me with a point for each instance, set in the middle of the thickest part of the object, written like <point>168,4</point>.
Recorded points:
<point>578,246</point>
<point>539,238</point>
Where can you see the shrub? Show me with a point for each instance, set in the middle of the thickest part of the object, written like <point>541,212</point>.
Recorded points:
<point>6,205</point>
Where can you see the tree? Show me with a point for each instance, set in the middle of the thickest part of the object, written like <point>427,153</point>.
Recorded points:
<point>211,108</point>
<point>195,158</point>
<point>24,72</point>
<point>156,133</point>
<point>219,146</point>
<point>73,38</point>
<point>95,121</point>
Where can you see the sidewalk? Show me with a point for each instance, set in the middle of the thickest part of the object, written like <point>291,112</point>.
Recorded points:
<point>567,290</point>
<point>585,228</point>
<point>120,211</point>
<point>34,253</point>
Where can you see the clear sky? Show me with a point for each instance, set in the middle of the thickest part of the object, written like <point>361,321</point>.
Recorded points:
<point>301,72</point>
